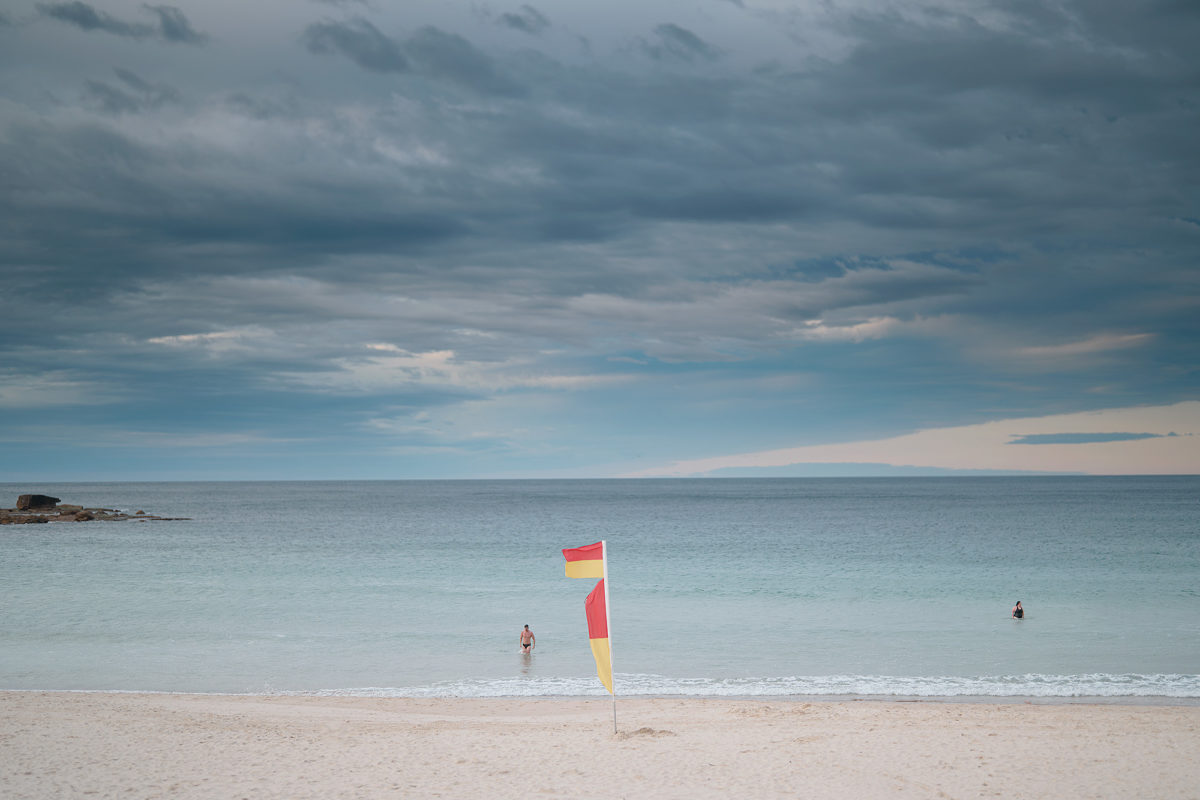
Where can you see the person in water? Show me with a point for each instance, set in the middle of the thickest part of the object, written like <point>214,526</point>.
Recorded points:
<point>527,640</point>
<point>1018,612</point>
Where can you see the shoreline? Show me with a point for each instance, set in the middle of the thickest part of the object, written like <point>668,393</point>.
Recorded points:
<point>128,744</point>
<point>1149,701</point>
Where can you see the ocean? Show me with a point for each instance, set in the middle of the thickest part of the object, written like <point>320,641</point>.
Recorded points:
<point>893,587</point>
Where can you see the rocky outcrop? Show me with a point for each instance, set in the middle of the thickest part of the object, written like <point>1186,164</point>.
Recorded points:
<point>28,502</point>
<point>33,509</point>
<point>7,518</point>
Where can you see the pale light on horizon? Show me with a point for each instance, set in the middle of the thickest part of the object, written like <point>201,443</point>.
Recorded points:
<point>1171,446</point>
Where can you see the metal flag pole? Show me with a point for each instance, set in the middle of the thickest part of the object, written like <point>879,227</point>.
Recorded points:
<point>608,624</point>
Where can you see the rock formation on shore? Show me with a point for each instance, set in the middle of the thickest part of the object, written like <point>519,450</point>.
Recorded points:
<point>38,508</point>
<point>28,502</point>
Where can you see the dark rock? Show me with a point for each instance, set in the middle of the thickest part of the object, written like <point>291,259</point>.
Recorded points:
<point>34,508</point>
<point>29,501</point>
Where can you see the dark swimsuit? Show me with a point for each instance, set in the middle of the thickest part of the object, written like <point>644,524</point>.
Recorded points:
<point>1019,613</point>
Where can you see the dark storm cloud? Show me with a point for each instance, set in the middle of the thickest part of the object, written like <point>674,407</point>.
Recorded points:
<point>947,147</point>
<point>358,40</point>
<point>633,152</point>
<point>173,25</point>
<point>673,43</point>
<point>156,200</point>
<point>527,19</point>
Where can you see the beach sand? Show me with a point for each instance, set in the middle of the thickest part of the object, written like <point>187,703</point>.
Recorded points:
<point>98,745</point>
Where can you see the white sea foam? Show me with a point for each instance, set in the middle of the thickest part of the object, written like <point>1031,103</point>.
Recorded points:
<point>1050,686</point>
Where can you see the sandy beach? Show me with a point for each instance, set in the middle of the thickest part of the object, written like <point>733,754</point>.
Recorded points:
<point>100,745</point>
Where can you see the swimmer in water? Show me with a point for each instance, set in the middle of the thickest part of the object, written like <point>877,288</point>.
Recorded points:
<point>528,641</point>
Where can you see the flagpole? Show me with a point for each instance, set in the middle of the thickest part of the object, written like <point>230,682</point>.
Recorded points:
<point>608,624</point>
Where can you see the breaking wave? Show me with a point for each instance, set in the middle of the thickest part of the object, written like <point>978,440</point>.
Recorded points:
<point>1097,685</point>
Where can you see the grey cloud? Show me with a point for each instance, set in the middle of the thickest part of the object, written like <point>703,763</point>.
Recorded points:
<point>263,108</point>
<point>358,40</point>
<point>233,212</point>
<point>159,92</point>
<point>673,43</point>
<point>437,54</point>
<point>88,18</point>
<point>638,151</point>
<point>527,20</point>
<point>1161,31</point>
<point>898,61</point>
<point>1084,438</point>
<point>450,56</point>
<point>136,95</point>
<point>860,291</point>
<point>598,207</point>
<point>707,204</point>
<point>812,271</point>
<point>684,179</point>
<point>112,100</point>
<point>172,26</point>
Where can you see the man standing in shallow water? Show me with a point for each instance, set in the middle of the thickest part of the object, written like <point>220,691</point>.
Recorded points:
<point>527,640</point>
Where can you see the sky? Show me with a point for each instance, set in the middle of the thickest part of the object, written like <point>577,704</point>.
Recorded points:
<point>354,239</point>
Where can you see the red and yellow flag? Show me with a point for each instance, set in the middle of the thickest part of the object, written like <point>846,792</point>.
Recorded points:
<point>586,561</point>
<point>597,620</point>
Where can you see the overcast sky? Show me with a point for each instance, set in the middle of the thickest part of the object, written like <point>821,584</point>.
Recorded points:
<point>363,239</point>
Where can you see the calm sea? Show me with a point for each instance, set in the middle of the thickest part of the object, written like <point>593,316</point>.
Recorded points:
<point>897,586</point>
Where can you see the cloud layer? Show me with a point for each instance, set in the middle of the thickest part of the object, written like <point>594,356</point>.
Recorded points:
<point>171,24</point>
<point>338,239</point>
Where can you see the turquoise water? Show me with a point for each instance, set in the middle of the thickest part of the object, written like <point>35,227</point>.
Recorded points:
<point>898,586</point>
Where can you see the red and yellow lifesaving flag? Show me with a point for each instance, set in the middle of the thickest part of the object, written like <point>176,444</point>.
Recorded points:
<point>586,561</point>
<point>597,619</point>
<point>590,561</point>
